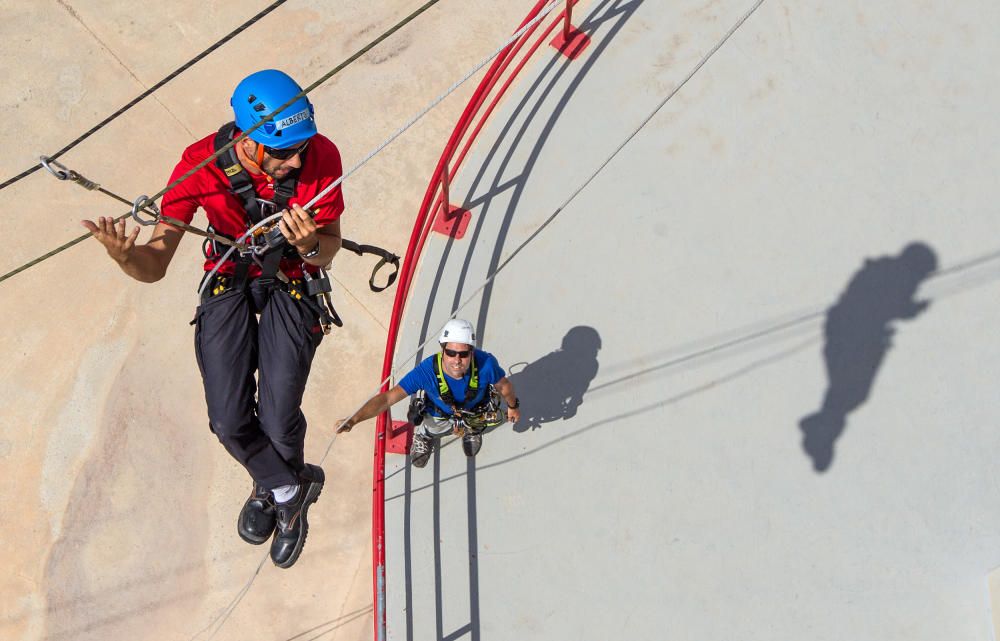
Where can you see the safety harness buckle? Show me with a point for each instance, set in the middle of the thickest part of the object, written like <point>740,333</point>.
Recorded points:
<point>318,285</point>
<point>319,288</point>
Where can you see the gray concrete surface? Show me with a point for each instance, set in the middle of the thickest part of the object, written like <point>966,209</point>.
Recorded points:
<point>739,260</point>
<point>119,504</point>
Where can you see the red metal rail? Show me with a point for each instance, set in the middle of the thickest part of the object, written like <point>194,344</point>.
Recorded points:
<point>436,199</point>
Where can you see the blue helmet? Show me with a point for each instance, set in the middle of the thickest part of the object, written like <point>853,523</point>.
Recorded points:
<point>262,92</point>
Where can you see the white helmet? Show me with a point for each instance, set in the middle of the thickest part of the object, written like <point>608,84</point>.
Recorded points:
<point>458,331</point>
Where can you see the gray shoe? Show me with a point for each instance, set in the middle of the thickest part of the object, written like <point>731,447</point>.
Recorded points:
<point>421,449</point>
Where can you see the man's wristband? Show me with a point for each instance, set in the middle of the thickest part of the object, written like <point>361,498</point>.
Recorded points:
<point>516,404</point>
<point>314,252</point>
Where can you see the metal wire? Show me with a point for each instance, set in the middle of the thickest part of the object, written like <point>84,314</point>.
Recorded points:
<point>187,65</point>
<point>269,117</point>
<point>412,121</point>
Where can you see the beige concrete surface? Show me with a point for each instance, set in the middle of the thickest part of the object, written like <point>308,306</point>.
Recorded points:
<point>119,505</point>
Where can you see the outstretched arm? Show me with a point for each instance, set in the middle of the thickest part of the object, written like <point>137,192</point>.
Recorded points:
<point>375,406</point>
<point>506,389</point>
<point>145,263</point>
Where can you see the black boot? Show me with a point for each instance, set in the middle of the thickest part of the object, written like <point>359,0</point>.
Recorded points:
<point>290,534</point>
<point>256,522</point>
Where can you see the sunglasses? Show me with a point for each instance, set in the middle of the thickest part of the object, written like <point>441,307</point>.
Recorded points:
<point>453,353</point>
<point>285,154</point>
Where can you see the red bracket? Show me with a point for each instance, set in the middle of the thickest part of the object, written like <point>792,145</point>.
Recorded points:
<point>398,438</point>
<point>571,43</point>
<point>453,223</point>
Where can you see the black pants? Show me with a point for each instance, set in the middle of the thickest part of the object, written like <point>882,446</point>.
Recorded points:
<point>266,436</point>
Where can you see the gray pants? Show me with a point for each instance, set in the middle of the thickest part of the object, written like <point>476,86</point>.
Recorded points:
<point>438,426</point>
<point>435,426</point>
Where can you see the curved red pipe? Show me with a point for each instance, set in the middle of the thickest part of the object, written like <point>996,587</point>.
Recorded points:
<point>418,237</point>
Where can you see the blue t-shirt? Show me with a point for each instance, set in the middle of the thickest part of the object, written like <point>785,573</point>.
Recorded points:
<point>422,377</point>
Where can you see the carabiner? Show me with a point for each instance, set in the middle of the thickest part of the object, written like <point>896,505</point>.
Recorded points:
<point>63,172</point>
<point>140,203</point>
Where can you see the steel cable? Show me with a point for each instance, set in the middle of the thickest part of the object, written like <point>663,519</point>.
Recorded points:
<point>216,624</point>
<point>399,132</point>
<point>268,118</point>
<point>187,65</point>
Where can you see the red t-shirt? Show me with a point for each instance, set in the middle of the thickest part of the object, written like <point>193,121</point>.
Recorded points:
<point>208,188</point>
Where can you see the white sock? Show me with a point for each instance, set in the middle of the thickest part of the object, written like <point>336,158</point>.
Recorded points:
<point>285,493</point>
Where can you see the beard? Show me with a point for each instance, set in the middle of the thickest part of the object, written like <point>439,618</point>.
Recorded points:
<point>276,171</point>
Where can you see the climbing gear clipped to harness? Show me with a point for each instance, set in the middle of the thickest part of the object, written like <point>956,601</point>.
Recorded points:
<point>484,415</point>
<point>418,407</point>
<point>270,246</point>
<point>488,414</point>
<point>319,288</point>
<point>242,187</point>
<point>316,296</point>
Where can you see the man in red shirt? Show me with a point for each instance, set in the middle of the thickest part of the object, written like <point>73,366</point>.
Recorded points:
<point>256,314</point>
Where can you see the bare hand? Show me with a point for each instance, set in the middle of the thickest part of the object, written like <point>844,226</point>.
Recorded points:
<point>345,425</point>
<point>112,236</point>
<point>299,228</point>
<point>513,414</point>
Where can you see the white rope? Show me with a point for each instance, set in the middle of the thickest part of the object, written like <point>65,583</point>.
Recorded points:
<point>506,261</point>
<point>517,35</point>
<point>399,132</point>
<point>642,125</point>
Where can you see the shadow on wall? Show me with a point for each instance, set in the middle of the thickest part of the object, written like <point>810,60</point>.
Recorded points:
<point>858,333</point>
<point>552,387</point>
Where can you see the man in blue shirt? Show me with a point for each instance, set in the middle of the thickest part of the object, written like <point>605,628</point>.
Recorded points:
<point>456,390</point>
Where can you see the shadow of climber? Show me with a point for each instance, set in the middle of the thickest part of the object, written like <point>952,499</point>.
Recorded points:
<point>552,387</point>
<point>858,332</point>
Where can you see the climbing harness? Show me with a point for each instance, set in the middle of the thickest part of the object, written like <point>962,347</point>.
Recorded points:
<point>268,247</point>
<point>486,414</point>
<point>445,391</point>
